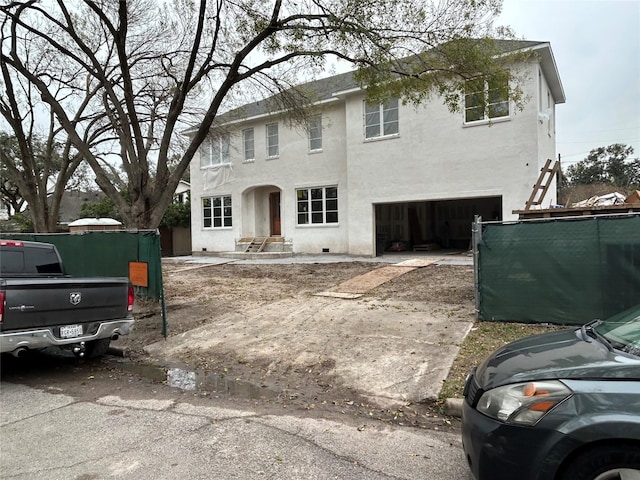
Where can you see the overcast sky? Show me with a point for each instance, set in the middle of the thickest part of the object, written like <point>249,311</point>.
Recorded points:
<point>596,44</point>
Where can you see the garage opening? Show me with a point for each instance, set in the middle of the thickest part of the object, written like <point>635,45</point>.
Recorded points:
<point>431,225</point>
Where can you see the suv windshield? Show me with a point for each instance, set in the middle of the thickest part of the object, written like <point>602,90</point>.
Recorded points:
<point>623,330</point>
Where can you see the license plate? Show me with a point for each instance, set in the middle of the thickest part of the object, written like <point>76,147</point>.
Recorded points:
<point>70,331</point>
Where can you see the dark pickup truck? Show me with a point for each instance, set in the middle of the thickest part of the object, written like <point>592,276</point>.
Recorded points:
<point>42,307</point>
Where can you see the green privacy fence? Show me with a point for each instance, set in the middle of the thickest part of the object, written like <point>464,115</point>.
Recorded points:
<point>97,253</point>
<point>563,271</point>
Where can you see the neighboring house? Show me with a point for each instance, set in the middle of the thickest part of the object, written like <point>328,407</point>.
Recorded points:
<point>183,192</point>
<point>362,174</point>
<point>72,202</point>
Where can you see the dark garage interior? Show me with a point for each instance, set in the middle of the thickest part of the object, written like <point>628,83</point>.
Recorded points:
<point>431,225</point>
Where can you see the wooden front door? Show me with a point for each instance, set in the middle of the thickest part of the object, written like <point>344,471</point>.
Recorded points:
<point>274,210</point>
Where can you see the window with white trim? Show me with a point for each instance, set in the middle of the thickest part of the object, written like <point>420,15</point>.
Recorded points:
<point>214,151</point>
<point>381,119</point>
<point>216,212</point>
<point>315,133</point>
<point>248,144</point>
<point>485,100</point>
<point>317,205</point>
<point>272,140</point>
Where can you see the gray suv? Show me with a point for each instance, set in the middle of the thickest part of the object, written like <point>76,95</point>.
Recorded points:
<point>558,406</point>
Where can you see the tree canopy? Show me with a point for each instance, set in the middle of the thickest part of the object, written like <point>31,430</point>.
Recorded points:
<point>121,80</point>
<point>610,165</point>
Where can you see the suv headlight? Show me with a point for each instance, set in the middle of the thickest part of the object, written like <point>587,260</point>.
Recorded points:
<point>523,403</point>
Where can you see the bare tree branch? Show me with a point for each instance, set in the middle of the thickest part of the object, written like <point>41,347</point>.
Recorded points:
<point>155,68</point>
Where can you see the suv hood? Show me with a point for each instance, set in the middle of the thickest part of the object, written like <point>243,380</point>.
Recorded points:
<point>555,355</point>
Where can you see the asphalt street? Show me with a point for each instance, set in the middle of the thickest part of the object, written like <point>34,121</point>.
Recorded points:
<point>51,435</point>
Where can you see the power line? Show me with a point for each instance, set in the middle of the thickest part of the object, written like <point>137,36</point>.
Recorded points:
<point>629,140</point>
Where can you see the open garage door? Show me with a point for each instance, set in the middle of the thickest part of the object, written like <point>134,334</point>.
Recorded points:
<point>431,225</point>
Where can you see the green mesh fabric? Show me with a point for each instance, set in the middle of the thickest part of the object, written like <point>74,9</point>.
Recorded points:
<point>108,254</point>
<point>563,271</point>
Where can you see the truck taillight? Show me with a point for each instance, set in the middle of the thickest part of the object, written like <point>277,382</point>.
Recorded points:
<point>130,299</point>
<point>1,306</point>
<point>10,243</point>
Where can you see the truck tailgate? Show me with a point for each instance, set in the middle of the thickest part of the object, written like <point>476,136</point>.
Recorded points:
<point>34,303</point>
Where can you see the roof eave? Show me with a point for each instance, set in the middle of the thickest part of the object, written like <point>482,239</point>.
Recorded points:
<point>550,70</point>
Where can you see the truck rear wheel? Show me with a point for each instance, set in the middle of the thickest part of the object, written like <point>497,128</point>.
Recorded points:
<point>97,348</point>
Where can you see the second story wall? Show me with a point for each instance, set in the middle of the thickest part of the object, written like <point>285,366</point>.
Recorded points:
<point>436,155</point>
<point>294,160</point>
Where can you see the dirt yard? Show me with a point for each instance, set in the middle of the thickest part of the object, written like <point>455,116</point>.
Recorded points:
<point>196,293</point>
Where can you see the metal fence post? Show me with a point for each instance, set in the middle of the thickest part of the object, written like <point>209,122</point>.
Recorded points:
<point>476,238</point>
<point>163,307</point>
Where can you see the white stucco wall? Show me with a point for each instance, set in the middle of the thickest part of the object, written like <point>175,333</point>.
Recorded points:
<point>434,157</point>
<point>546,135</point>
<point>295,167</point>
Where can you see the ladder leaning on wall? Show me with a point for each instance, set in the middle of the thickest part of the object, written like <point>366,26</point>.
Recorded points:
<point>547,174</point>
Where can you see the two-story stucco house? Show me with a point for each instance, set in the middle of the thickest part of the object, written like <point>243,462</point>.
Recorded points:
<point>363,176</point>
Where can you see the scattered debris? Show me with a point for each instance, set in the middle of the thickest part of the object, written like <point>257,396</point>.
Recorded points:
<point>633,198</point>
<point>607,200</point>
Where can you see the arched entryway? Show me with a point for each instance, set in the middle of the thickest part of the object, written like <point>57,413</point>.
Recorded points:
<point>261,211</point>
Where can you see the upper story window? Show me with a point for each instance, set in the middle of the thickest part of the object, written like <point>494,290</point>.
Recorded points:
<point>381,119</point>
<point>216,212</point>
<point>315,133</point>
<point>214,151</point>
<point>317,205</point>
<point>272,140</point>
<point>485,100</point>
<point>248,144</point>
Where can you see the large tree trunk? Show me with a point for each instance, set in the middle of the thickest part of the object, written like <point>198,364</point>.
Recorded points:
<point>37,211</point>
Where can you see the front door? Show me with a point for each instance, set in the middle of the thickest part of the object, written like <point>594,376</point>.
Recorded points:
<point>274,210</point>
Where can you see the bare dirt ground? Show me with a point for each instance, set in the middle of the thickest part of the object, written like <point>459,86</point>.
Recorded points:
<point>196,293</point>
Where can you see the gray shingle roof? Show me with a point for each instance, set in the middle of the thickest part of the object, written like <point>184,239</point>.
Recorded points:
<point>316,91</point>
<point>326,88</point>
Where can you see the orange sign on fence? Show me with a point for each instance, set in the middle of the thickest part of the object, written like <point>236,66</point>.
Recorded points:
<point>139,273</point>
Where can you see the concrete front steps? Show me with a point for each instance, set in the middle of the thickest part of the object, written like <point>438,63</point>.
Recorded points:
<point>254,248</point>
